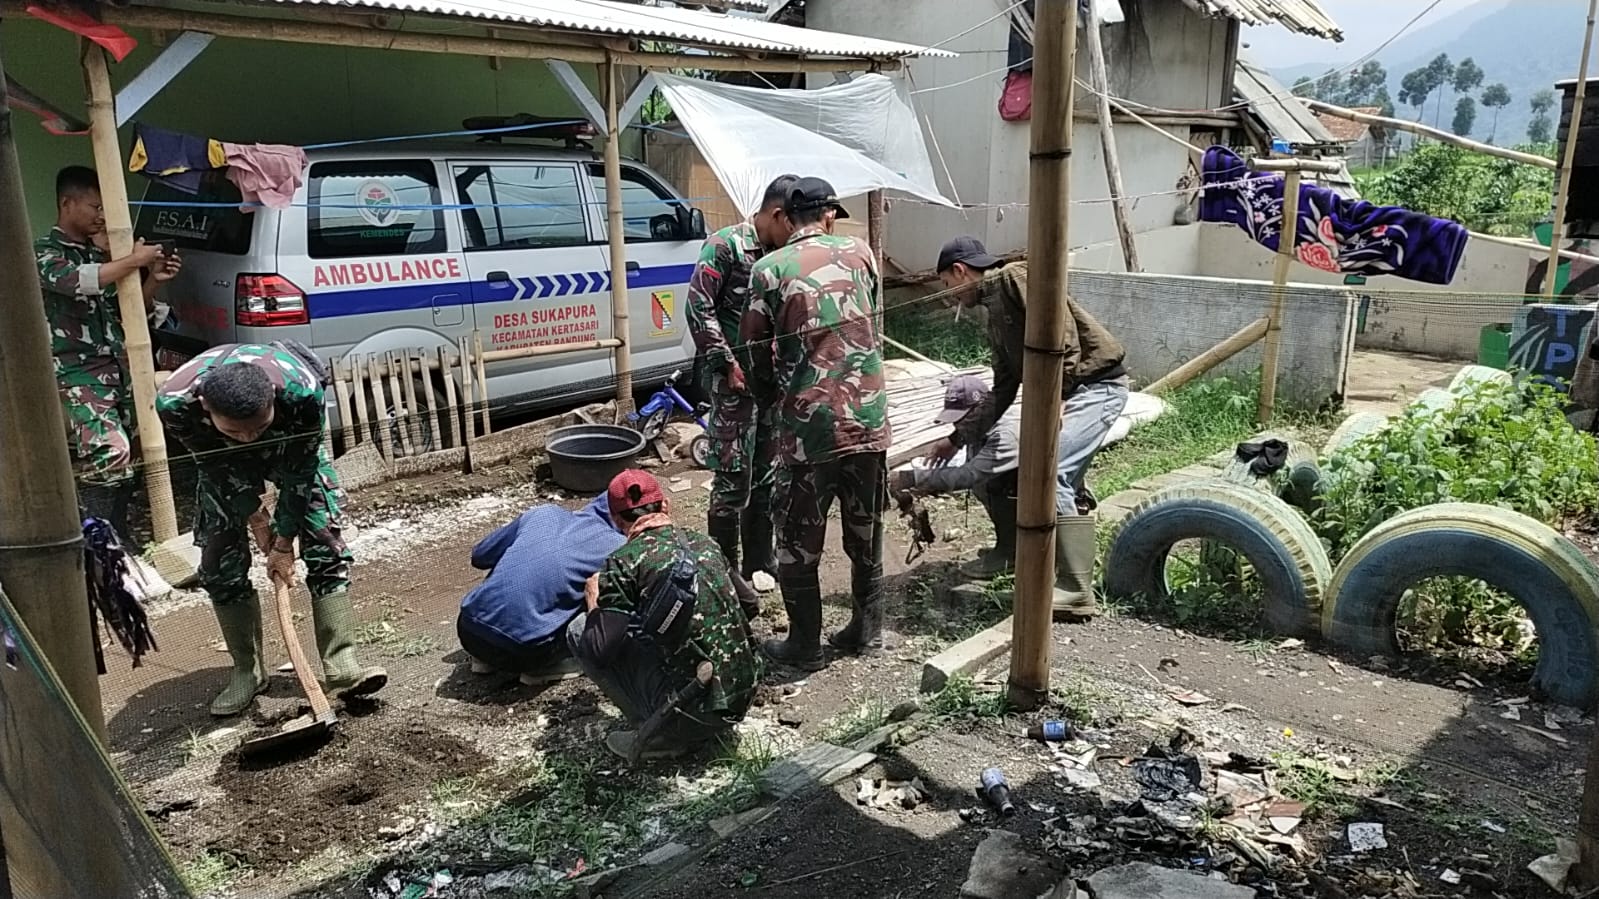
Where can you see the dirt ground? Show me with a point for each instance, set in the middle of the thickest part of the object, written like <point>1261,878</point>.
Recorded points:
<point>1385,382</point>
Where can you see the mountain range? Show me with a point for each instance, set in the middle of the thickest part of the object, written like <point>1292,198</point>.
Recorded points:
<point>1526,44</point>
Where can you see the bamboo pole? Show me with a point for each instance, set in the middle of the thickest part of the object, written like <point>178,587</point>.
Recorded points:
<point>876,210</point>
<point>1055,31</point>
<point>468,397</point>
<point>1424,131</point>
<point>130,294</point>
<point>430,398</point>
<point>396,379</point>
<point>617,237</point>
<point>550,349</point>
<point>1107,140</point>
<point>451,410</point>
<point>341,393</point>
<point>413,409</point>
<point>482,380</point>
<point>1243,339</point>
<point>380,408</point>
<point>358,401</point>
<point>1279,295</point>
<point>1563,179</point>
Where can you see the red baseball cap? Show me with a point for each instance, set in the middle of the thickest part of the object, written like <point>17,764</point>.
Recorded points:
<point>631,489</point>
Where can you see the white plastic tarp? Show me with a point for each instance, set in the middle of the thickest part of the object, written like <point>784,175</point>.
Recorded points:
<point>860,136</point>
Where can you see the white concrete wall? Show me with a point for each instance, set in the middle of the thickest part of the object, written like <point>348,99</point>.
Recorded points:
<point>1436,320</point>
<point>1174,59</point>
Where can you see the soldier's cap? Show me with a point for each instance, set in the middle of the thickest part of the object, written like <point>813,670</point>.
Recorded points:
<point>960,397</point>
<point>813,193</point>
<point>632,489</point>
<point>968,250</point>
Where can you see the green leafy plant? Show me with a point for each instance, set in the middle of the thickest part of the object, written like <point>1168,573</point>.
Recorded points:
<point>1485,193</point>
<point>1504,445</point>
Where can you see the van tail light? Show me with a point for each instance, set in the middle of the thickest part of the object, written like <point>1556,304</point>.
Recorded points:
<point>266,301</point>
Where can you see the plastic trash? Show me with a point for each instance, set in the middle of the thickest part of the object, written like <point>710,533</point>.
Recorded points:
<point>997,792</point>
<point>1052,731</point>
<point>1163,776</point>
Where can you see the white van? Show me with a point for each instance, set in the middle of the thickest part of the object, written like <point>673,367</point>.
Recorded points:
<point>420,245</point>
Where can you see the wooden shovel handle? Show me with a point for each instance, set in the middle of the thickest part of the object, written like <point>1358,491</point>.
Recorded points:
<point>321,710</point>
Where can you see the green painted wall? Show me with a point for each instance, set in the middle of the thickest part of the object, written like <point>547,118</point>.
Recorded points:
<point>259,91</point>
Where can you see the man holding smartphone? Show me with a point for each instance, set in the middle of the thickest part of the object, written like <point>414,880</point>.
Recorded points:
<point>79,279</point>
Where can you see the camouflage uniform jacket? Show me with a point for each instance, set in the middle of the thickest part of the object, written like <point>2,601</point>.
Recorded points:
<point>717,635</point>
<point>718,293</point>
<point>1092,353</point>
<point>86,339</point>
<point>288,453</point>
<point>812,328</point>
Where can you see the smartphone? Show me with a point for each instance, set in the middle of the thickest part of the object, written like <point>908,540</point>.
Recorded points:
<point>168,247</point>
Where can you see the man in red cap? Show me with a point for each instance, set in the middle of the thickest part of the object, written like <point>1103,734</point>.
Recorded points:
<point>662,604</point>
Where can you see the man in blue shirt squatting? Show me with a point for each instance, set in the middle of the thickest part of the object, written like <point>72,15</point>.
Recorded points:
<point>537,565</point>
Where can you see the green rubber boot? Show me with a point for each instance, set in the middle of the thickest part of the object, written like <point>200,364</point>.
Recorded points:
<point>240,623</point>
<point>342,674</point>
<point>1075,548</point>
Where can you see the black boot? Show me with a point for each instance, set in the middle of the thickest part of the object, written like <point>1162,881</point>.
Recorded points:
<point>724,530</point>
<point>864,633</point>
<point>760,553</point>
<point>802,597</point>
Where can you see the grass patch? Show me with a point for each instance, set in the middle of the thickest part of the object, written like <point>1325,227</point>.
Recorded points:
<point>392,641</point>
<point>866,715</point>
<point>934,332</point>
<point>962,697</point>
<point>1203,419</point>
<point>1303,779</point>
<point>1079,700</point>
<point>211,872</point>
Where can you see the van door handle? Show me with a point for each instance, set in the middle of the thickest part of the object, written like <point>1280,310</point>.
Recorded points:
<point>632,266</point>
<point>499,278</point>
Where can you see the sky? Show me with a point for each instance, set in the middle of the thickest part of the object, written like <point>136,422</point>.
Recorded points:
<point>1365,23</point>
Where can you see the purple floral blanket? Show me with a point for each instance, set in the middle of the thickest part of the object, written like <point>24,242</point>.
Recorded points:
<point>1335,234</point>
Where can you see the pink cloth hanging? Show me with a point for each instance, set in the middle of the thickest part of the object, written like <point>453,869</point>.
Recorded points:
<point>268,174</point>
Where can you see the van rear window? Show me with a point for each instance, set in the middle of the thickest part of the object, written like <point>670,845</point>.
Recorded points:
<point>193,221</point>
<point>369,208</point>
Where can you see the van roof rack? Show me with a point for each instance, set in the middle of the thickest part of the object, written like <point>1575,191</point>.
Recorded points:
<point>573,135</point>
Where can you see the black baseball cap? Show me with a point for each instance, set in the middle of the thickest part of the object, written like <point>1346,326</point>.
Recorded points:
<point>968,250</point>
<point>960,397</point>
<point>813,193</point>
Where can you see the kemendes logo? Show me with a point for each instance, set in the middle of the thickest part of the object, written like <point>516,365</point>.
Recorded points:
<point>662,313</point>
<point>376,202</point>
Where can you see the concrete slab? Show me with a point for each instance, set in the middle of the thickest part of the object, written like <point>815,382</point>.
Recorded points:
<point>814,766</point>
<point>1144,881</point>
<point>1002,869</point>
<point>177,560</point>
<point>966,656</point>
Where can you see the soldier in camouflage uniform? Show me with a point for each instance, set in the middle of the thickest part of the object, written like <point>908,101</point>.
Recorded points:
<point>740,435</point>
<point>639,673</point>
<point>813,333</point>
<point>79,282</point>
<point>252,414</point>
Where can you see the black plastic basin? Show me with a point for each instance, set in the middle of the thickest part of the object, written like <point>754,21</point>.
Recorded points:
<point>584,458</point>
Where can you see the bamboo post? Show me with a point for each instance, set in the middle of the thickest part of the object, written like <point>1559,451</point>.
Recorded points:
<point>876,211</point>
<point>1243,339</point>
<point>380,408</point>
<point>413,409</point>
<point>358,400</point>
<point>468,400</point>
<point>1563,180</point>
<point>1055,32</point>
<point>397,397</point>
<point>434,422</point>
<point>1107,140</point>
<point>451,410</point>
<point>341,394</point>
<point>1416,128</point>
<point>41,537</point>
<point>130,294</point>
<point>1279,295</point>
<point>482,381</point>
<point>616,234</point>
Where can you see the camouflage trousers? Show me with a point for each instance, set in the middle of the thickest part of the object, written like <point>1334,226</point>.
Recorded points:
<point>229,492</point>
<point>805,495</point>
<point>742,451</point>
<point>99,421</point>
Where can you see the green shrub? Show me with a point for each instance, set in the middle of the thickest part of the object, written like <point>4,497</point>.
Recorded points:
<point>1504,445</point>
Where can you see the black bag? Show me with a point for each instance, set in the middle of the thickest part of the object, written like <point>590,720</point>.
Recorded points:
<point>666,609</point>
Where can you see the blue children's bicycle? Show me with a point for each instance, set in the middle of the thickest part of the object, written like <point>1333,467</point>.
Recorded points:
<point>652,418</point>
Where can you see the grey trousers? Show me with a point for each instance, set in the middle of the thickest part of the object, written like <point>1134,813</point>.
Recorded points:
<point>637,681</point>
<point>1086,418</point>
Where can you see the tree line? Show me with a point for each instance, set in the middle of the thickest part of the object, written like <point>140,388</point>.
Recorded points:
<point>1368,86</point>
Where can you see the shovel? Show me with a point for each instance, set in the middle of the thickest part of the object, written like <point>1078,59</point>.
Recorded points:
<point>306,730</point>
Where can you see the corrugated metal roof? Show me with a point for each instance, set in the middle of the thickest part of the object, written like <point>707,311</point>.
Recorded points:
<point>1303,16</point>
<point>1282,115</point>
<point>685,26</point>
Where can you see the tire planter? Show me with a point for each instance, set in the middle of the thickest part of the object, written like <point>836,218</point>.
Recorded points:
<point>1353,428</point>
<point>1270,534</point>
<point>1472,375</point>
<point>1526,559</point>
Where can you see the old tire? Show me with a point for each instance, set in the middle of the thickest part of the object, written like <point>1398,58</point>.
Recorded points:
<point>1284,552</point>
<point>1473,375</point>
<point>1526,559</point>
<point>1353,428</point>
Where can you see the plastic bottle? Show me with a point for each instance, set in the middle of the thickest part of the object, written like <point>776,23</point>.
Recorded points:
<point>1052,731</point>
<point>997,792</point>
